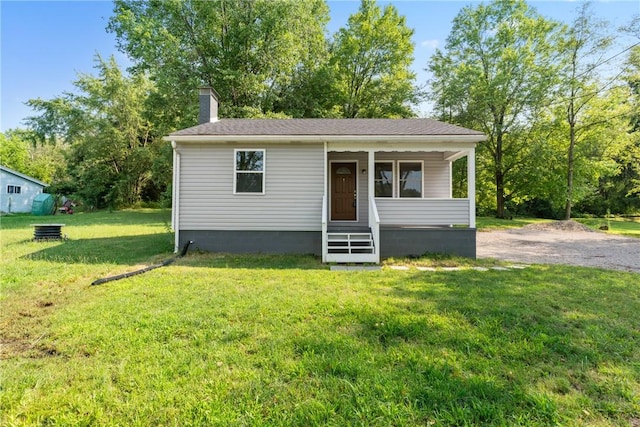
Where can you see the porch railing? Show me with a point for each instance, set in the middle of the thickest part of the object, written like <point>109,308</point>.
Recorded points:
<point>374,225</point>
<point>423,212</point>
<point>325,243</point>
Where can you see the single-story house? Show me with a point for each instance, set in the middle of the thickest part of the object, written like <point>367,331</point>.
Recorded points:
<point>350,190</point>
<point>17,190</point>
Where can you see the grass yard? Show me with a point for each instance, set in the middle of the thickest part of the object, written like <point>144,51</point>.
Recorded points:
<point>616,225</point>
<point>273,340</point>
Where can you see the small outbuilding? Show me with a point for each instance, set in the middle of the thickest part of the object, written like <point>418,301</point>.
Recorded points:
<point>17,191</point>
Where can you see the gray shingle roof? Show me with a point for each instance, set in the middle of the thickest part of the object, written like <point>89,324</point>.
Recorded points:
<point>301,127</point>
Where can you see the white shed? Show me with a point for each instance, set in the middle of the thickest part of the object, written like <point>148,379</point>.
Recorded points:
<point>17,190</point>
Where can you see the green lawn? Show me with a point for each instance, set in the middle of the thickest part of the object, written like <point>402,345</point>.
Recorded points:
<point>273,340</point>
<point>616,225</point>
<point>493,223</point>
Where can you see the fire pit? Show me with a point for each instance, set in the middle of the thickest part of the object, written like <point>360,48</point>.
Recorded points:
<point>47,232</point>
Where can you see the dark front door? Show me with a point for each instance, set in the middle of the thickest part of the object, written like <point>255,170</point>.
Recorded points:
<point>343,191</point>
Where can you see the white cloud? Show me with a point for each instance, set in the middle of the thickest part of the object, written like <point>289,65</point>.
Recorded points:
<point>430,44</point>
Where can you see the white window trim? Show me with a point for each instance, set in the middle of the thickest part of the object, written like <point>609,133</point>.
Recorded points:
<point>398,196</point>
<point>393,177</point>
<point>263,172</point>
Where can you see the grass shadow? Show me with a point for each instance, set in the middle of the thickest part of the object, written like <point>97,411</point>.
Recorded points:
<point>253,261</point>
<point>126,250</point>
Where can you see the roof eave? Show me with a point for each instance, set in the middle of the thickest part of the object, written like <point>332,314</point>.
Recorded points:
<point>23,176</point>
<point>473,138</point>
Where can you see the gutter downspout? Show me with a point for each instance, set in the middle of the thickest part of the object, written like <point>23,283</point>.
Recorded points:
<point>325,243</point>
<point>175,196</point>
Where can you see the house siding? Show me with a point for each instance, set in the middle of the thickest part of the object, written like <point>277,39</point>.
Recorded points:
<point>417,212</point>
<point>294,186</point>
<point>17,203</point>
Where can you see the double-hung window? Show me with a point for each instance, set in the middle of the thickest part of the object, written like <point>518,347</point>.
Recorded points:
<point>384,179</point>
<point>409,179</point>
<point>248,177</point>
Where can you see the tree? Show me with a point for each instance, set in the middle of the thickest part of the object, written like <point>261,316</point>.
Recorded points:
<point>249,50</point>
<point>14,152</point>
<point>623,189</point>
<point>495,75</point>
<point>112,140</point>
<point>372,57</point>
<point>583,49</point>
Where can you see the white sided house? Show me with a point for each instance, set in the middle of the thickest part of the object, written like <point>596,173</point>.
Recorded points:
<point>350,190</point>
<point>17,191</point>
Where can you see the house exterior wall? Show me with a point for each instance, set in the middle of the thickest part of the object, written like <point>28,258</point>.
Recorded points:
<point>17,203</point>
<point>293,191</point>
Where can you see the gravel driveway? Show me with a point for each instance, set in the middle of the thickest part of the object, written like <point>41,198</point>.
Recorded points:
<point>561,242</point>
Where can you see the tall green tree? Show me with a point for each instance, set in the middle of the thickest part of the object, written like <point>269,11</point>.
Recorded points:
<point>583,53</point>
<point>372,57</point>
<point>14,152</point>
<point>622,190</point>
<point>251,51</point>
<point>495,75</point>
<point>112,140</point>
<point>20,151</point>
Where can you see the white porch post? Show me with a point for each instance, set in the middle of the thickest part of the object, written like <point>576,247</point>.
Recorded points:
<point>471,186</point>
<point>371,167</point>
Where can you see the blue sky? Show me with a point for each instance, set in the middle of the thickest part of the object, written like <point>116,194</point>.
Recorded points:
<point>45,44</point>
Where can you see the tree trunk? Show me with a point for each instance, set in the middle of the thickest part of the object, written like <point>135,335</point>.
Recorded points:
<point>500,211</point>
<point>570,165</point>
<point>499,177</point>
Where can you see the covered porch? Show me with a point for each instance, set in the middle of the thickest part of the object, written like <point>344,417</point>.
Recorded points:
<point>396,199</point>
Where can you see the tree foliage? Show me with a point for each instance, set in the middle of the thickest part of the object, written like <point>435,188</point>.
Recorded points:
<point>372,57</point>
<point>249,50</point>
<point>583,51</point>
<point>495,75</point>
<point>112,144</point>
<point>19,151</point>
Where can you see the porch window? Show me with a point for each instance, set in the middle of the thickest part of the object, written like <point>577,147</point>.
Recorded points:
<point>249,171</point>
<point>410,179</point>
<point>384,179</point>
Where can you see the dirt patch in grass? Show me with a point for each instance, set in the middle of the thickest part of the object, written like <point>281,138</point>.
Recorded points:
<point>569,225</point>
<point>561,242</point>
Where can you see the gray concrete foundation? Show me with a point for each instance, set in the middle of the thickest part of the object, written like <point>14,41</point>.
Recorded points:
<point>394,242</point>
<point>397,242</point>
<point>244,242</point>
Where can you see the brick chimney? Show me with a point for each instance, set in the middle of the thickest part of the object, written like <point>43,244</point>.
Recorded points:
<point>208,105</point>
